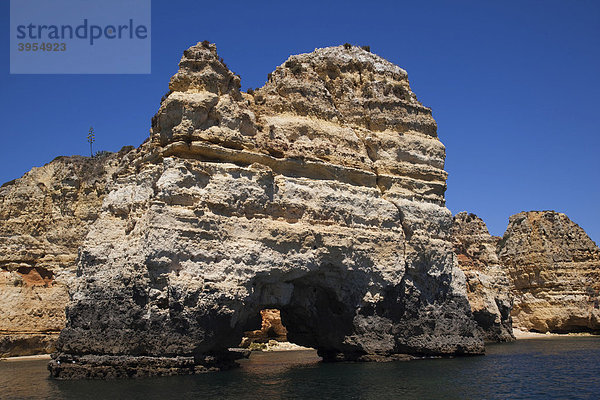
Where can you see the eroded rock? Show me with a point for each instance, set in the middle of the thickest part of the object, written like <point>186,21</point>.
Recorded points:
<point>271,329</point>
<point>554,270</point>
<point>488,287</point>
<point>321,195</point>
<point>44,217</point>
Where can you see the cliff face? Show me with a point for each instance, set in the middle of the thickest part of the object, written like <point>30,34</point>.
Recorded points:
<point>44,217</point>
<point>321,195</point>
<point>488,287</point>
<point>554,271</point>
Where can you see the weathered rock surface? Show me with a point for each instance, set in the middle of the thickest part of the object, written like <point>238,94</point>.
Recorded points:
<point>321,195</point>
<point>44,217</point>
<point>271,328</point>
<point>488,287</point>
<point>554,270</point>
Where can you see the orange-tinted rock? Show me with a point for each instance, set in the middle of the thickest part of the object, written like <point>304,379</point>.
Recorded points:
<point>487,285</point>
<point>271,329</point>
<point>554,272</point>
<point>44,217</point>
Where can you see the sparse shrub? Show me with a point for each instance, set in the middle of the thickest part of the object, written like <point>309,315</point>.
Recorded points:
<point>165,96</point>
<point>347,46</point>
<point>102,153</point>
<point>366,48</point>
<point>250,91</point>
<point>257,347</point>
<point>294,66</point>
<point>91,138</point>
<point>126,149</point>
<point>222,62</point>
<point>206,43</point>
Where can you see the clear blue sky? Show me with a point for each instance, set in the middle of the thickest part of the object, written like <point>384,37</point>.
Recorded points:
<point>514,87</point>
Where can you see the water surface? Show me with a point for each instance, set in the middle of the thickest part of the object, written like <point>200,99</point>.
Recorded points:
<point>554,368</point>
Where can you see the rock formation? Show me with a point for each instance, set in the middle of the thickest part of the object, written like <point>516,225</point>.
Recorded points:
<point>320,194</point>
<point>554,272</point>
<point>487,284</point>
<point>271,328</point>
<point>44,217</point>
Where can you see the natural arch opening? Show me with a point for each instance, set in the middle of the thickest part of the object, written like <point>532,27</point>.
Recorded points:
<point>270,335</point>
<point>270,351</point>
<point>314,311</point>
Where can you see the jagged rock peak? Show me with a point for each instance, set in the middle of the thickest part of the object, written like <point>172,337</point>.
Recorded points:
<point>201,69</point>
<point>203,103</point>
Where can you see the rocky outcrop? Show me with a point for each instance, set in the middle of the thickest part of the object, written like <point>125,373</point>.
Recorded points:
<point>271,328</point>
<point>44,217</point>
<point>321,195</point>
<point>554,272</point>
<point>487,284</point>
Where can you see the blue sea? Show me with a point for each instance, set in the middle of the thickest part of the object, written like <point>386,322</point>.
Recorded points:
<point>552,368</point>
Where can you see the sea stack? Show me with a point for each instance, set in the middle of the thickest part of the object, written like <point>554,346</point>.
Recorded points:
<point>320,194</point>
<point>554,271</point>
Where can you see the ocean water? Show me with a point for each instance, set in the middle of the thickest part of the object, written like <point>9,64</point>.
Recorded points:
<point>553,368</point>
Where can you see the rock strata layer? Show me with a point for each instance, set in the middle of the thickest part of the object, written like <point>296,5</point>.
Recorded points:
<point>44,217</point>
<point>320,194</point>
<point>554,272</point>
<point>488,287</point>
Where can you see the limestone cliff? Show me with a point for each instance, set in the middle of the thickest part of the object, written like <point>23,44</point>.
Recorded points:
<point>321,195</point>
<point>44,217</point>
<point>488,287</point>
<point>554,271</point>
